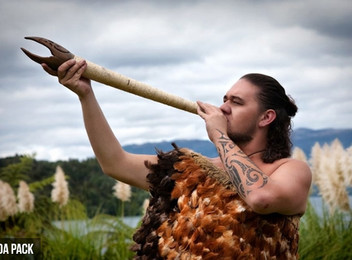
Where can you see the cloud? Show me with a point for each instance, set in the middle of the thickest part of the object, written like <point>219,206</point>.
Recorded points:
<point>194,49</point>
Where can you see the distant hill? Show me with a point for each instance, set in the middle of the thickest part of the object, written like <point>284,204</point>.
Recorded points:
<point>201,146</point>
<point>303,138</point>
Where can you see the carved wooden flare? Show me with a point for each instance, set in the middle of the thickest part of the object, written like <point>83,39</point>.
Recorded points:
<point>108,77</point>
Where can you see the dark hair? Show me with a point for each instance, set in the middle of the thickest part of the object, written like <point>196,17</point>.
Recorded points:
<point>273,96</point>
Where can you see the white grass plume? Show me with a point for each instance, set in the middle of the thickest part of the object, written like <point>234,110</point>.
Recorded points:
<point>328,174</point>
<point>8,206</point>
<point>60,191</point>
<point>299,154</point>
<point>122,191</point>
<point>25,198</point>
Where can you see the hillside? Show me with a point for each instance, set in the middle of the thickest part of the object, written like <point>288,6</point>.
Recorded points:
<point>303,138</point>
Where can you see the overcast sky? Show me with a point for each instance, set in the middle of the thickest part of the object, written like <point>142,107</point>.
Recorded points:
<point>194,49</point>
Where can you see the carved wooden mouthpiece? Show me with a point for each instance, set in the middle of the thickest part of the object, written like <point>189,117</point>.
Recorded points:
<point>108,77</point>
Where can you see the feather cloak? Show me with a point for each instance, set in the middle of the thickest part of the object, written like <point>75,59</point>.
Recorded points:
<point>196,213</point>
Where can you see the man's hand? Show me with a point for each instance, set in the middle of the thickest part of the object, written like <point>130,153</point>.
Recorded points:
<point>70,75</point>
<point>214,118</point>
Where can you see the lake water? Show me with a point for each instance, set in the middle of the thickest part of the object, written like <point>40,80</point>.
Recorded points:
<point>132,221</point>
<point>317,203</point>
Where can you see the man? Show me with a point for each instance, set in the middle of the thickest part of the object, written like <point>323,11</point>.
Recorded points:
<point>250,131</point>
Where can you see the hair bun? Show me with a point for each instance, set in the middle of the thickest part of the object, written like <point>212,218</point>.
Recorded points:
<point>291,107</point>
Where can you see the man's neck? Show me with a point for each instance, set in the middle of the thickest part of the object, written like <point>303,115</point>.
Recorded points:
<point>252,148</point>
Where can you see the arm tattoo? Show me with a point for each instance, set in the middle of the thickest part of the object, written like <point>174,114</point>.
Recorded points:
<point>242,171</point>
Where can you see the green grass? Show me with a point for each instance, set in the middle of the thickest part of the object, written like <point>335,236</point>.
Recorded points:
<point>75,236</point>
<point>104,237</point>
<point>67,233</point>
<point>328,236</point>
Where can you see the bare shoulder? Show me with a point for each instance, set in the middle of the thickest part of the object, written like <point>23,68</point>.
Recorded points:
<point>290,163</point>
<point>290,181</point>
<point>293,168</point>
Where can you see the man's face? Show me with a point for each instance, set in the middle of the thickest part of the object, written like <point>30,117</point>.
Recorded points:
<point>242,111</point>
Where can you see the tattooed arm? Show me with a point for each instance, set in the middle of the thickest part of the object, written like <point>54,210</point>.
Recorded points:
<point>243,173</point>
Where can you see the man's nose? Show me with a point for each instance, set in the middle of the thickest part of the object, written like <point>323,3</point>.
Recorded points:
<point>225,108</point>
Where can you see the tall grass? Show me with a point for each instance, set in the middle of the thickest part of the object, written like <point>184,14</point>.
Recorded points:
<point>74,236</point>
<point>327,236</point>
<point>62,224</point>
<point>103,237</point>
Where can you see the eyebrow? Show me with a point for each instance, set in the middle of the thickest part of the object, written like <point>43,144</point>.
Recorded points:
<point>233,98</point>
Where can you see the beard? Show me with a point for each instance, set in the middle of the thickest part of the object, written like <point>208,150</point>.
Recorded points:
<point>239,138</point>
<point>243,137</point>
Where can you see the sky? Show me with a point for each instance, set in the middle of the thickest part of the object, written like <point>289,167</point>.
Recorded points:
<point>193,49</point>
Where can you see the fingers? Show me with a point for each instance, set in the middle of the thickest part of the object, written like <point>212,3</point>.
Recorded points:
<point>67,70</point>
<point>214,119</point>
<point>201,109</point>
<point>205,108</point>
<point>199,106</point>
<point>71,71</point>
<point>49,70</point>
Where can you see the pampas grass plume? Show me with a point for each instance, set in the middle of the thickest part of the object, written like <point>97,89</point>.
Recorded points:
<point>8,206</point>
<point>122,191</point>
<point>145,205</point>
<point>25,198</point>
<point>60,191</point>
<point>299,154</point>
<point>315,161</point>
<point>329,174</point>
<point>348,166</point>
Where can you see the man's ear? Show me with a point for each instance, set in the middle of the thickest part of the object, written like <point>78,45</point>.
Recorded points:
<point>267,117</point>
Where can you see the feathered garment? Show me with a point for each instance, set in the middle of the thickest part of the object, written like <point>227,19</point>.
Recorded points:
<point>196,213</point>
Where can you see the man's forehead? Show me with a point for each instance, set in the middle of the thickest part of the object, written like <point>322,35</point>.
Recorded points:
<point>242,89</point>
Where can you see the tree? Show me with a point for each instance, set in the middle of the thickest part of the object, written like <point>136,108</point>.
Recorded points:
<point>15,172</point>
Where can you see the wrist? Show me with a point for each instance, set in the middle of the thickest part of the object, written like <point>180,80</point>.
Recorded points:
<point>86,95</point>
<point>219,135</point>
